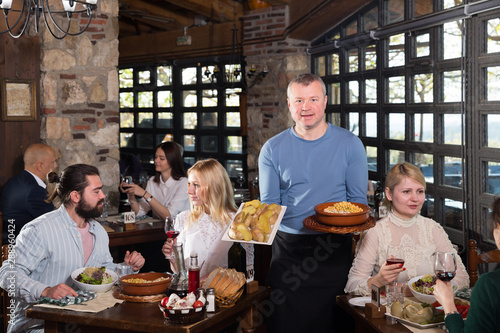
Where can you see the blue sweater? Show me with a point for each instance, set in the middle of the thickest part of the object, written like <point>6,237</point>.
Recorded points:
<point>300,173</point>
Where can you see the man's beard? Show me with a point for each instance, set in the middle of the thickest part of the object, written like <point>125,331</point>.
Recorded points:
<point>84,210</point>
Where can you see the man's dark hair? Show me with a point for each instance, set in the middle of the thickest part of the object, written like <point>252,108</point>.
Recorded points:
<point>73,178</point>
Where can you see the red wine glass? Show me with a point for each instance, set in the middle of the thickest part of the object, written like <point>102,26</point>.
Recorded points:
<point>445,266</point>
<point>395,255</point>
<point>171,233</point>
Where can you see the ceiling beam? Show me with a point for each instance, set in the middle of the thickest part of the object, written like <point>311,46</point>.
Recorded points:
<point>147,8</point>
<point>219,11</point>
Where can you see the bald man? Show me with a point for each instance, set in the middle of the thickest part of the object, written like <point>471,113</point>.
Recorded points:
<point>23,197</point>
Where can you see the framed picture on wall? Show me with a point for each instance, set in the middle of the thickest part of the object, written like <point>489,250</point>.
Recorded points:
<point>18,100</point>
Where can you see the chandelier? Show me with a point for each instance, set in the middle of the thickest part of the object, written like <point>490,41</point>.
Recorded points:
<point>41,8</point>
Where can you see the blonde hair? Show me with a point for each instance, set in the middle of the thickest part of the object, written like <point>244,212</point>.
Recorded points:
<point>216,192</point>
<point>398,173</point>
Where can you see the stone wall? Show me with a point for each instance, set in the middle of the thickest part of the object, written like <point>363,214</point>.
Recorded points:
<point>265,45</point>
<point>79,95</point>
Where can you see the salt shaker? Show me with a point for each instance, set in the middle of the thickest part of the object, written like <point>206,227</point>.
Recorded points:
<point>211,300</point>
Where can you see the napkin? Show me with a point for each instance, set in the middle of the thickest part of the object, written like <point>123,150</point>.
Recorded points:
<point>101,302</point>
<point>83,296</point>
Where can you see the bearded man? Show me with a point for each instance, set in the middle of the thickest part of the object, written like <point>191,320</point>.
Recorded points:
<point>49,248</point>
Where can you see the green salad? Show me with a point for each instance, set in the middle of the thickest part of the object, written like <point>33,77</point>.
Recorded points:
<point>94,275</point>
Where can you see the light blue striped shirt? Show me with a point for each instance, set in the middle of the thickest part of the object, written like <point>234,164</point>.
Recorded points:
<point>47,251</point>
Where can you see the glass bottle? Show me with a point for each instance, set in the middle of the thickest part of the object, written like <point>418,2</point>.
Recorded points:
<point>237,258</point>
<point>194,273</point>
<point>180,282</point>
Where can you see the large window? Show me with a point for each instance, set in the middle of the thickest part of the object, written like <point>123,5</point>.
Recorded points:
<point>416,95</point>
<point>194,104</point>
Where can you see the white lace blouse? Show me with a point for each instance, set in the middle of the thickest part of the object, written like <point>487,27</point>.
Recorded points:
<point>420,237</point>
<point>204,238</point>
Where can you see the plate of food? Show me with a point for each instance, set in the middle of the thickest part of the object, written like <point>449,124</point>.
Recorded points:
<point>96,279</point>
<point>255,223</point>
<point>342,213</point>
<point>422,287</point>
<point>419,315</point>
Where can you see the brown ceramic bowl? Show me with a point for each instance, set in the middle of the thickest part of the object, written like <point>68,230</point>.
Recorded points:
<point>341,220</point>
<point>145,289</point>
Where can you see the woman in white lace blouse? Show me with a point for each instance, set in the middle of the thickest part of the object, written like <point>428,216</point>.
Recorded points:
<point>419,237</point>
<point>212,209</point>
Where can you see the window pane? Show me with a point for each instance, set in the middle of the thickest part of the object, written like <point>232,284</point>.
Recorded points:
<point>189,143</point>
<point>493,123</point>
<point>164,138</point>
<point>396,51</point>
<point>423,88</point>
<point>423,7</point>
<point>371,124</point>
<point>422,45</point>
<point>335,64</point>
<point>233,73</point>
<point>334,118</point>
<point>145,141</point>
<point>189,99</point>
<point>145,99</point>
<point>423,127</point>
<point>353,92</point>
<point>320,66</point>
<point>452,86</point>
<point>164,74</point>
<point>371,57</point>
<point>395,157</point>
<point>234,167</point>
<point>493,31</point>
<point>126,119</point>
<point>453,129</point>
<point>396,89</point>
<point>334,97</point>
<point>354,122</point>
<point>428,207</point>
<point>209,120</point>
<point>451,3</point>
<point>453,214</point>
<point>190,121</point>
<point>353,60</point>
<point>145,120</point>
<point>452,40</point>
<point>493,178</point>
<point>209,98</point>
<point>126,77</point>
<point>493,83</point>
<point>165,120</point>
<point>209,143</point>
<point>397,126</point>
<point>371,91</point>
<point>425,163</point>
<point>453,171</point>
<point>233,96</point>
<point>126,100</point>
<point>233,119</point>
<point>165,99</point>
<point>127,140</point>
<point>396,11</point>
<point>207,74</point>
<point>234,144</point>
<point>371,19</point>
<point>352,28</point>
<point>144,77</point>
<point>371,155</point>
<point>189,75</point>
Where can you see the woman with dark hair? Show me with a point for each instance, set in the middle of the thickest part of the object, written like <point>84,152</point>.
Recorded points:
<point>484,312</point>
<point>165,192</point>
<point>418,236</point>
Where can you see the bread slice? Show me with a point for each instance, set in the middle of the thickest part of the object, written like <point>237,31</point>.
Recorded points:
<point>238,282</point>
<point>212,278</point>
<point>223,282</point>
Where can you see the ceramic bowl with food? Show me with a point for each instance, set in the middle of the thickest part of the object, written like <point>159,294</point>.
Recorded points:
<point>423,296</point>
<point>97,288</point>
<point>145,284</point>
<point>342,213</point>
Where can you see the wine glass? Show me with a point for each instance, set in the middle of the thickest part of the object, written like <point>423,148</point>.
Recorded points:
<point>395,255</point>
<point>171,233</point>
<point>240,179</point>
<point>445,266</point>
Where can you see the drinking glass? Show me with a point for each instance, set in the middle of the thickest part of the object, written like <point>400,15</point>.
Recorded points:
<point>395,292</point>
<point>395,255</point>
<point>171,233</point>
<point>445,266</point>
<point>240,179</point>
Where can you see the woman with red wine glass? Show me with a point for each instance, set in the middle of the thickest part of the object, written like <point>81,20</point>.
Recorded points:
<point>418,237</point>
<point>484,312</point>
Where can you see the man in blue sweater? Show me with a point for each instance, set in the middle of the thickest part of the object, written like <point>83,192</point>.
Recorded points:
<point>308,164</point>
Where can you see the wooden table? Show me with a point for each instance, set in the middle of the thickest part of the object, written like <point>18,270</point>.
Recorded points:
<point>367,325</point>
<point>145,232</point>
<point>146,317</point>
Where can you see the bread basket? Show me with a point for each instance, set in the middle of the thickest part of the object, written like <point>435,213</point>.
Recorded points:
<point>228,285</point>
<point>228,300</point>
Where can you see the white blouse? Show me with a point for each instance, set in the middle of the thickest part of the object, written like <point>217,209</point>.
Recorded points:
<point>205,238</point>
<point>172,194</point>
<point>420,237</point>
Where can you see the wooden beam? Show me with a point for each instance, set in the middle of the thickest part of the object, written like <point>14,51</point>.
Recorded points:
<point>218,10</point>
<point>148,8</point>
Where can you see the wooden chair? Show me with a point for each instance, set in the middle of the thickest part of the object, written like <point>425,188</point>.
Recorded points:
<point>475,259</point>
<point>4,298</point>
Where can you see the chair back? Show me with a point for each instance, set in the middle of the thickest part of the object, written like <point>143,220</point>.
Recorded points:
<point>475,259</point>
<point>4,298</point>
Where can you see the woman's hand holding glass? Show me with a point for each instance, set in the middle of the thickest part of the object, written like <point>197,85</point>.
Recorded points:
<point>390,270</point>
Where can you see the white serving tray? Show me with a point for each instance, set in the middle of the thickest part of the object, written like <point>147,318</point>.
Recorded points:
<point>274,229</point>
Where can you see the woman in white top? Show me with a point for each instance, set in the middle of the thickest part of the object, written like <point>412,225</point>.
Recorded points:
<point>165,192</point>
<point>212,210</point>
<point>419,237</point>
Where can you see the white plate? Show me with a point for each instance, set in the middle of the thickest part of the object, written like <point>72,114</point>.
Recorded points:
<point>361,301</point>
<point>271,236</point>
<point>410,323</point>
